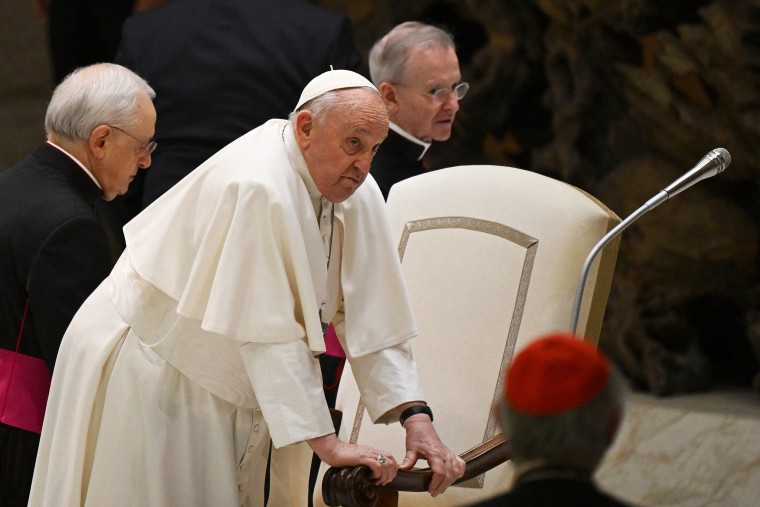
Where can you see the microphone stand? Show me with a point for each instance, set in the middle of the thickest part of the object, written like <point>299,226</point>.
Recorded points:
<point>711,164</point>
<point>649,205</point>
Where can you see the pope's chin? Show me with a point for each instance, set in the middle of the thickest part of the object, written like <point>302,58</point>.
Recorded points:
<point>341,193</point>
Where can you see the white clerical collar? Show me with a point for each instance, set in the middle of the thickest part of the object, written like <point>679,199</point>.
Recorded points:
<point>80,164</point>
<point>406,135</point>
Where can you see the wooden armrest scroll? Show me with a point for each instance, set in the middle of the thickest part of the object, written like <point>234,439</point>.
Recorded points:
<point>353,487</point>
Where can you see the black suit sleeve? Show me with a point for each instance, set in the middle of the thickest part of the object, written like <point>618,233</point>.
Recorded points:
<point>73,261</point>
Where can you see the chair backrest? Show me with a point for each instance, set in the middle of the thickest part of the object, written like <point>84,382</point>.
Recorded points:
<point>492,258</point>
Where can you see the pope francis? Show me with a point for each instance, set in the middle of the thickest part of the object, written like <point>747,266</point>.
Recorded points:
<point>200,346</point>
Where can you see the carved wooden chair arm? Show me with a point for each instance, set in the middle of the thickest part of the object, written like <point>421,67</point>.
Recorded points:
<point>353,487</point>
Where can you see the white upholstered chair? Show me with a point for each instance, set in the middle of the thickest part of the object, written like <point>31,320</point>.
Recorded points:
<point>492,258</point>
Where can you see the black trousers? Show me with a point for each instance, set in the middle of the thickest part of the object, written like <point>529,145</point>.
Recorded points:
<point>18,452</point>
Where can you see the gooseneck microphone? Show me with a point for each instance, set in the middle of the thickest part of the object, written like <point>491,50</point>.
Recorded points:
<point>710,165</point>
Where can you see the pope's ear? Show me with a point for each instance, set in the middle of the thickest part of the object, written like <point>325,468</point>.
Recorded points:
<point>304,127</point>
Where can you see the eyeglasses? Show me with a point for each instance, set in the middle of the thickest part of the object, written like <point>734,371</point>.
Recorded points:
<point>149,147</point>
<point>441,95</point>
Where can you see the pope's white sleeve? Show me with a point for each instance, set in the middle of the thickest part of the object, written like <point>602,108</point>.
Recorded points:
<point>387,378</point>
<point>288,386</point>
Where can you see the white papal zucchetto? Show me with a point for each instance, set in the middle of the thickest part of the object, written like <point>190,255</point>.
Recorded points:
<point>332,80</point>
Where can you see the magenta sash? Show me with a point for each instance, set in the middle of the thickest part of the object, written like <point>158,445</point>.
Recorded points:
<point>24,387</point>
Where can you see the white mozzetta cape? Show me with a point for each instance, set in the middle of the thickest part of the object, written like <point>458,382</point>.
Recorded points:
<point>247,258</point>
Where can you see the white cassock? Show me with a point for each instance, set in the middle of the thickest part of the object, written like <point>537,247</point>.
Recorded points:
<point>200,345</point>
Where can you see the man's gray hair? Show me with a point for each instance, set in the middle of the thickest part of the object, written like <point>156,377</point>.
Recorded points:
<point>103,93</point>
<point>582,432</point>
<point>388,56</point>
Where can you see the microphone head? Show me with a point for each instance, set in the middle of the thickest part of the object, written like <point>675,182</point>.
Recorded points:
<point>722,156</point>
<point>711,164</point>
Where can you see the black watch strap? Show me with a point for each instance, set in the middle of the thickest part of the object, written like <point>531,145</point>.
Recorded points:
<point>414,410</point>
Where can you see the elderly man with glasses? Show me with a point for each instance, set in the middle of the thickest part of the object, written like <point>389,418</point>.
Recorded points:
<point>416,69</point>
<point>54,247</point>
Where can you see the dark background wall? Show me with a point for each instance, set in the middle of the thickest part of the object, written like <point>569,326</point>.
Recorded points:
<point>619,98</point>
<point>25,80</point>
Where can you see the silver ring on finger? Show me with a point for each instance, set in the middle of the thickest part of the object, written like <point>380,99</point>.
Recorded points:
<point>381,459</point>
